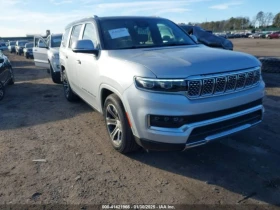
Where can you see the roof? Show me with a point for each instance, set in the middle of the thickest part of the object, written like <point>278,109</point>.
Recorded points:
<point>110,18</point>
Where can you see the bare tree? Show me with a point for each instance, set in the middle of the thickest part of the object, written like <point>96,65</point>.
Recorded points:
<point>260,18</point>
<point>268,18</point>
<point>276,20</point>
<point>254,21</point>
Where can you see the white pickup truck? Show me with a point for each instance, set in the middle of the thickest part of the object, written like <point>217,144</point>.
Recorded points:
<point>46,54</point>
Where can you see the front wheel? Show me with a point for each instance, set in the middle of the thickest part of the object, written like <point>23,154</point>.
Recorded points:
<point>68,92</point>
<point>117,125</point>
<point>2,91</point>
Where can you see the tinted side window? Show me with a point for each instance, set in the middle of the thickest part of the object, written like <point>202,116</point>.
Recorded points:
<point>75,34</point>
<point>65,37</point>
<point>90,34</point>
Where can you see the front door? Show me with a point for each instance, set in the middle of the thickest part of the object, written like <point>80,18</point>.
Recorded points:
<point>40,53</point>
<point>87,68</point>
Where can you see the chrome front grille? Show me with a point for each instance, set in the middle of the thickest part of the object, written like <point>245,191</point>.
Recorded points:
<point>205,86</point>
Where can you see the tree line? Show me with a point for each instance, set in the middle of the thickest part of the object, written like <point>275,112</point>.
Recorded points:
<point>262,20</point>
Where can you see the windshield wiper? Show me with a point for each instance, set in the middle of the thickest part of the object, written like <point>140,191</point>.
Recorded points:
<point>137,46</point>
<point>176,44</point>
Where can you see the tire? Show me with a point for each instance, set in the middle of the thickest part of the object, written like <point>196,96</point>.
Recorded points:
<point>12,80</point>
<point>2,91</point>
<point>117,125</point>
<point>271,65</point>
<point>68,92</point>
<point>55,76</point>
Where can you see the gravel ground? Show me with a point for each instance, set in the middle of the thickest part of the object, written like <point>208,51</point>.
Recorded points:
<point>36,122</point>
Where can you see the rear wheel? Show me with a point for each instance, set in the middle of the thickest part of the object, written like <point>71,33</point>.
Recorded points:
<point>2,91</point>
<point>55,76</point>
<point>68,92</point>
<point>117,125</point>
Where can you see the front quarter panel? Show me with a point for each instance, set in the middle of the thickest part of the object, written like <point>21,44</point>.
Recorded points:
<point>118,74</point>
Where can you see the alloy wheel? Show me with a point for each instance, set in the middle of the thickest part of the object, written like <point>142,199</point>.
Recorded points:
<point>114,124</point>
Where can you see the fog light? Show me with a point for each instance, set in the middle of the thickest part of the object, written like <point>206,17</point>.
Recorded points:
<point>167,121</point>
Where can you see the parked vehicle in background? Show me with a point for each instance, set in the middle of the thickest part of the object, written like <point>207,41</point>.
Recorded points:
<point>11,46</point>
<point>207,38</point>
<point>256,36</point>
<point>28,50</point>
<point>6,74</point>
<point>19,46</point>
<point>274,35</point>
<point>3,46</point>
<point>157,87</point>
<point>230,36</point>
<point>46,54</point>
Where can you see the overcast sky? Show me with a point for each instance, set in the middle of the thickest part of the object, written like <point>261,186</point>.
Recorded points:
<point>21,17</point>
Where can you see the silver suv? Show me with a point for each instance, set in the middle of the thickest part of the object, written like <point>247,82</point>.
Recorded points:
<point>155,86</point>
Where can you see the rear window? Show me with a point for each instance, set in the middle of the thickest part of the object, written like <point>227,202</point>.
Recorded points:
<point>21,44</point>
<point>29,45</point>
<point>56,41</point>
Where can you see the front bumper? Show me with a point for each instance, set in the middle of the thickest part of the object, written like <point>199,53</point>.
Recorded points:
<point>55,65</point>
<point>197,132</point>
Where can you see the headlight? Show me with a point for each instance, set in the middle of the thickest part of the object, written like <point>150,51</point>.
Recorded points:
<point>163,85</point>
<point>55,56</point>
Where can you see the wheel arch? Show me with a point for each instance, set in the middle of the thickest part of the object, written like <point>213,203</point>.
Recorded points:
<point>105,91</point>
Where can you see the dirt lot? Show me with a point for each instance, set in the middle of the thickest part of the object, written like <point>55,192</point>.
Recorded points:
<point>36,122</point>
<point>258,47</point>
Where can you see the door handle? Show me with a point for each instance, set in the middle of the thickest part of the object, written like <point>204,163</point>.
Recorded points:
<point>66,56</point>
<point>35,50</point>
<point>79,62</point>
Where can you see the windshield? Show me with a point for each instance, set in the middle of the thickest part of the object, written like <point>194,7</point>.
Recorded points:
<point>56,41</point>
<point>130,33</point>
<point>29,45</point>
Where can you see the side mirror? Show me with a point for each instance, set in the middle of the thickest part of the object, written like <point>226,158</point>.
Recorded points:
<point>194,38</point>
<point>84,46</point>
<point>2,60</point>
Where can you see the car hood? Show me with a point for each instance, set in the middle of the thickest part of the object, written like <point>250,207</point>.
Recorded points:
<point>183,61</point>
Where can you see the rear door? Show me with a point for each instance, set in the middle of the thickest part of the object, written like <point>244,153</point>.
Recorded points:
<point>40,52</point>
